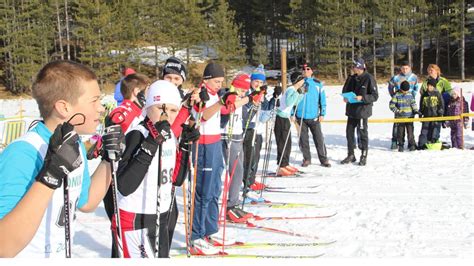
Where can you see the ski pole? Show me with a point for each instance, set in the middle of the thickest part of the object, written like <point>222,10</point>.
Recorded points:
<point>228,178</point>
<point>113,167</point>
<point>186,213</point>
<point>193,191</point>
<point>289,131</point>
<point>158,198</point>
<point>268,150</point>
<point>268,143</point>
<point>67,206</point>
<point>164,116</point>
<point>227,161</point>
<point>67,225</point>
<point>187,202</point>
<point>247,123</point>
<point>246,185</point>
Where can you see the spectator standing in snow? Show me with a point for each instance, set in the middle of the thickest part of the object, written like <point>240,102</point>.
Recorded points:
<point>364,86</point>
<point>403,104</point>
<point>394,84</point>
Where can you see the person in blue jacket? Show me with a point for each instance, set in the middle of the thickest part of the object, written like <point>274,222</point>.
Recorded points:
<point>394,84</point>
<point>35,167</point>
<point>117,93</point>
<point>309,115</point>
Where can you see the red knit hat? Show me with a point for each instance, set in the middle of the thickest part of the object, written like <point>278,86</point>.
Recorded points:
<point>241,81</point>
<point>128,71</point>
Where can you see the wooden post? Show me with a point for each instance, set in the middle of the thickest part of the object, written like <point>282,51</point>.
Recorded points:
<point>283,69</point>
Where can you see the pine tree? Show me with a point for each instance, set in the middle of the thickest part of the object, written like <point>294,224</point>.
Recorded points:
<point>250,15</point>
<point>300,22</point>
<point>260,50</point>
<point>195,30</point>
<point>332,35</point>
<point>225,39</point>
<point>129,17</point>
<point>458,31</point>
<point>27,41</point>
<point>7,13</point>
<point>96,35</point>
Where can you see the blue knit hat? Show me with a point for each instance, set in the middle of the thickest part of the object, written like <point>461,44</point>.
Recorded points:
<point>258,73</point>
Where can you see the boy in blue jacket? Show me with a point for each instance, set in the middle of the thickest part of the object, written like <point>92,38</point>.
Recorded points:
<point>403,104</point>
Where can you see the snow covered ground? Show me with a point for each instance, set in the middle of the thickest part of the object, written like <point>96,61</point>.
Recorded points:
<point>401,205</point>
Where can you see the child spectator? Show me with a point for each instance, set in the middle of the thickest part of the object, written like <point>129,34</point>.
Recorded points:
<point>431,105</point>
<point>403,104</point>
<point>456,106</point>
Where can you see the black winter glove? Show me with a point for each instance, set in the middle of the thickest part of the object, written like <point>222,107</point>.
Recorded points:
<point>160,131</point>
<point>222,92</point>
<point>62,157</point>
<point>113,143</point>
<point>255,97</point>
<point>303,89</point>
<point>277,91</point>
<point>187,100</point>
<point>189,134</point>
<point>229,99</point>
<point>204,95</point>
<point>141,99</point>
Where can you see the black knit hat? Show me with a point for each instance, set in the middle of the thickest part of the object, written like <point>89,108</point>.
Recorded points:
<point>213,70</point>
<point>432,82</point>
<point>359,63</point>
<point>405,86</point>
<point>296,76</point>
<point>175,66</point>
<point>405,63</point>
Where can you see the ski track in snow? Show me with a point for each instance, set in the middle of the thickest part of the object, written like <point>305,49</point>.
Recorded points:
<point>412,204</point>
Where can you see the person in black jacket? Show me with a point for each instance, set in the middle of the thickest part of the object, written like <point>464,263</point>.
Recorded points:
<point>365,88</point>
<point>431,105</point>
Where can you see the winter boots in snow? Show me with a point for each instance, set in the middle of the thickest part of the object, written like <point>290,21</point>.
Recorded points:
<point>237,215</point>
<point>394,145</point>
<point>349,159</point>
<point>363,158</point>
<point>305,163</point>
<point>326,164</point>
<point>257,186</point>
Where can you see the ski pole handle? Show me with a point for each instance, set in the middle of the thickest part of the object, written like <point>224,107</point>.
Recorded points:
<point>112,147</point>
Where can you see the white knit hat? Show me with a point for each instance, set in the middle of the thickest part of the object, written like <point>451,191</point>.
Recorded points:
<point>162,92</point>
